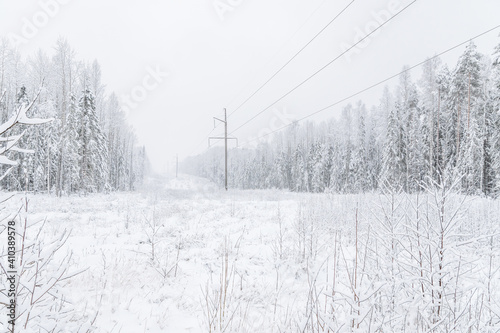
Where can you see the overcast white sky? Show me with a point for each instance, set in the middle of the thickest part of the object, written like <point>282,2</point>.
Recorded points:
<point>216,61</point>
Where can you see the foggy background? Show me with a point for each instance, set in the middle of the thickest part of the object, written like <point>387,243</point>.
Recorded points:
<point>217,53</point>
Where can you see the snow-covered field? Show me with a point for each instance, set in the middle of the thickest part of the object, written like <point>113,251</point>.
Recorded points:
<point>184,256</point>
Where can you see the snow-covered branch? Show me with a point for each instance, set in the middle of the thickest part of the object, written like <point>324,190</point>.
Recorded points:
<point>20,117</point>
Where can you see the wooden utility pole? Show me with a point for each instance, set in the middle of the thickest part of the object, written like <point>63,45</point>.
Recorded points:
<point>438,148</point>
<point>176,165</point>
<point>225,138</point>
<point>458,133</point>
<point>225,149</point>
<point>468,107</point>
<point>48,168</point>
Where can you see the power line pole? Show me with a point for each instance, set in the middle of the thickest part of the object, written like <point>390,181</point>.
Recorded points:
<point>468,107</point>
<point>225,138</point>
<point>225,149</point>
<point>176,165</point>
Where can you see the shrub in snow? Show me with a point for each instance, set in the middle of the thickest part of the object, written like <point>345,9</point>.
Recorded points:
<point>41,272</point>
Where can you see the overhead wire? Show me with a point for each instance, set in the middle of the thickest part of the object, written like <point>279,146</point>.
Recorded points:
<point>373,85</point>
<point>276,53</point>
<point>324,67</point>
<point>286,64</point>
<point>293,57</point>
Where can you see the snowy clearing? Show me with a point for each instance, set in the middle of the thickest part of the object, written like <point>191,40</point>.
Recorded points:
<point>185,256</point>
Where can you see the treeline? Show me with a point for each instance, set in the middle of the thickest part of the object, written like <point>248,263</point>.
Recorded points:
<point>444,125</point>
<point>89,147</point>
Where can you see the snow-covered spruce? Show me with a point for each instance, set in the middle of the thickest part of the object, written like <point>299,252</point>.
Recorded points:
<point>89,147</point>
<point>446,124</point>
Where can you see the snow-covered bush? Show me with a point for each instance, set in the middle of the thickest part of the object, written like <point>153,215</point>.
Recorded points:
<point>40,270</point>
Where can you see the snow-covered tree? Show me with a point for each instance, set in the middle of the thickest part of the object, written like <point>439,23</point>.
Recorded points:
<point>92,145</point>
<point>445,127</point>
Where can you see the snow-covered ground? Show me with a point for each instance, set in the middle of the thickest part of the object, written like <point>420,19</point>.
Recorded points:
<point>185,256</point>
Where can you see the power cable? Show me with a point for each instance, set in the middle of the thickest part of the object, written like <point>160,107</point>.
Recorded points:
<point>324,67</point>
<point>373,85</point>
<point>293,57</point>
